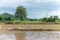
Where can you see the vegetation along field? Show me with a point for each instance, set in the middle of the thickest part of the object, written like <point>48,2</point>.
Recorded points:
<point>21,17</point>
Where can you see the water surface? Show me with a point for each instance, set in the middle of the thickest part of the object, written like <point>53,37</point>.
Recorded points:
<point>7,36</point>
<point>51,35</point>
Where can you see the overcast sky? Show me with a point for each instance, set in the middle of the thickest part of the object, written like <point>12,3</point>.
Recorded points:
<point>35,8</point>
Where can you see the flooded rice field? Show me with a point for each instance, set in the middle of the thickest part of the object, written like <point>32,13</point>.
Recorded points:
<point>6,36</point>
<point>30,35</point>
<point>47,32</point>
<point>43,35</point>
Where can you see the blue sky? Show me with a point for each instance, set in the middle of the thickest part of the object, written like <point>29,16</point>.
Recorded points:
<point>35,8</point>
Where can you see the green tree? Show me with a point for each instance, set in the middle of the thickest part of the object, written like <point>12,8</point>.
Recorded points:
<point>0,18</point>
<point>7,19</point>
<point>21,13</point>
<point>44,19</point>
<point>56,18</point>
<point>51,19</point>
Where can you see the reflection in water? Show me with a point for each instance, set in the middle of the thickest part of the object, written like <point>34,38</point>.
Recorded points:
<point>6,36</point>
<point>43,35</point>
<point>32,35</point>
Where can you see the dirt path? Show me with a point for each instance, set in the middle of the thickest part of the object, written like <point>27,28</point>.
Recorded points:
<point>32,26</point>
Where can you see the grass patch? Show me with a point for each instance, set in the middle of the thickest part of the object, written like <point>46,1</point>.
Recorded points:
<point>30,22</point>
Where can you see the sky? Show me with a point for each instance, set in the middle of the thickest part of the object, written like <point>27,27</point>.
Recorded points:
<point>36,9</point>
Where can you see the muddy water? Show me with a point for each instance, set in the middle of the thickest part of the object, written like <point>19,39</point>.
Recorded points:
<point>30,35</point>
<point>12,35</point>
<point>51,35</point>
<point>6,36</point>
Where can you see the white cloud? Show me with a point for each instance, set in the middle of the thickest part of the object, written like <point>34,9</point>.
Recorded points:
<point>7,3</point>
<point>56,13</point>
<point>37,15</point>
<point>58,1</point>
<point>32,4</point>
<point>14,3</point>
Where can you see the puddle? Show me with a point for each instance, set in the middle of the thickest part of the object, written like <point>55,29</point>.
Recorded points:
<point>32,35</point>
<point>6,36</point>
<point>43,35</point>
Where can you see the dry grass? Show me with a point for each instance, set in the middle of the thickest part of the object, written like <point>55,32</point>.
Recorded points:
<point>32,26</point>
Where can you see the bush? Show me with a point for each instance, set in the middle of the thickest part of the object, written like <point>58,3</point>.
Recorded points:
<point>12,22</point>
<point>16,22</point>
<point>9,22</point>
<point>44,19</point>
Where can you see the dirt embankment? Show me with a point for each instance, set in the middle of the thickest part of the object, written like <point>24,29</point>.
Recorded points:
<point>31,27</point>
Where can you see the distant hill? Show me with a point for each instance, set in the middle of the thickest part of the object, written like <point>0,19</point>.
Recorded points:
<point>7,15</point>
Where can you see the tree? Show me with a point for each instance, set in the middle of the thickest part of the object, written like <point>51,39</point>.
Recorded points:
<point>51,19</point>
<point>56,18</point>
<point>44,19</point>
<point>0,18</point>
<point>8,19</point>
<point>21,13</point>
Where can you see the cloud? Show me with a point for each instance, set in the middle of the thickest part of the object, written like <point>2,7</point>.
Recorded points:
<point>56,13</point>
<point>37,15</point>
<point>34,7</point>
<point>7,3</point>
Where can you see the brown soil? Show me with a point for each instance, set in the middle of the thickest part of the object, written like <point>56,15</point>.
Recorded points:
<point>31,26</point>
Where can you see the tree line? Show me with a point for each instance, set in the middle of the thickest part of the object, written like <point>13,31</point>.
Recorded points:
<point>21,15</point>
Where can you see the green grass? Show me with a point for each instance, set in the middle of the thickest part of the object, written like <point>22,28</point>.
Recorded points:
<point>30,22</point>
<point>58,21</point>
<point>25,22</point>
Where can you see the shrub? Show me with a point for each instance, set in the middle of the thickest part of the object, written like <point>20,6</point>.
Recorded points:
<point>9,22</point>
<point>12,22</point>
